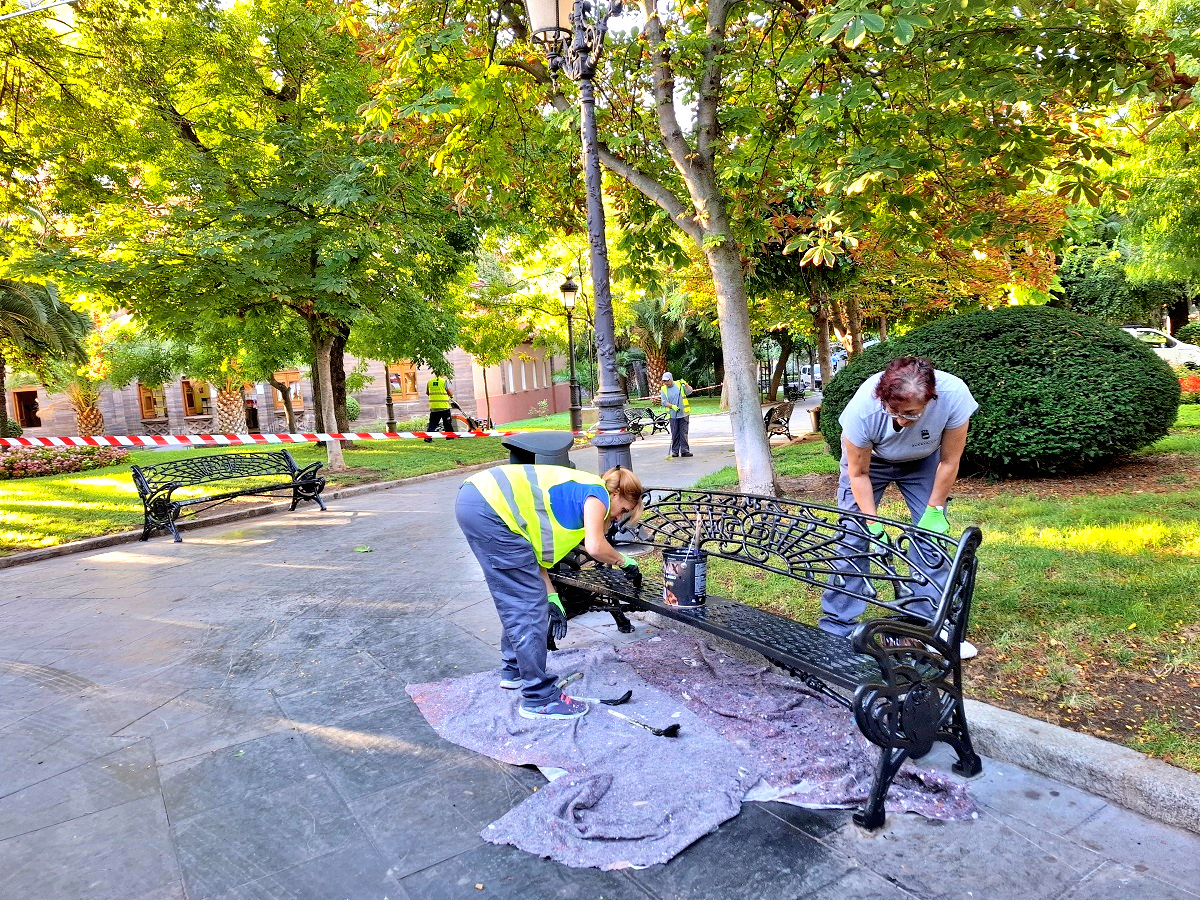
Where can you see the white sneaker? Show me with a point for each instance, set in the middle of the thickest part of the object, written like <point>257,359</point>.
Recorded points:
<point>967,650</point>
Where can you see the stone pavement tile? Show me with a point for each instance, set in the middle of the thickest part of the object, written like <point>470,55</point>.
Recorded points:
<point>507,873</point>
<point>752,856</point>
<point>32,753</point>
<point>207,719</point>
<point>382,748</point>
<point>1116,882</point>
<point>434,650</point>
<point>231,775</point>
<point>1010,790</point>
<point>1144,845</point>
<point>480,621</point>
<point>120,777</point>
<point>114,633</point>
<point>104,709</point>
<point>862,884</point>
<point>287,671</point>
<point>422,822</point>
<point>262,834</point>
<point>993,856</point>
<point>114,854</point>
<point>352,873</point>
<point>307,634</point>
<point>330,700</point>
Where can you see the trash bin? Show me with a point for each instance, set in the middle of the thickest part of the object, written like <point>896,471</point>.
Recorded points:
<point>814,414</point>
<point>543,448</point>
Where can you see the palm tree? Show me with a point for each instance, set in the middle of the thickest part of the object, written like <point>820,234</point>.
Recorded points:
<point>659,322</point>
<point>36,328</point>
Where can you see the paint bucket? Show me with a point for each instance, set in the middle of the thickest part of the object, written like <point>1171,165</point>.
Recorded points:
<point>685,576</point>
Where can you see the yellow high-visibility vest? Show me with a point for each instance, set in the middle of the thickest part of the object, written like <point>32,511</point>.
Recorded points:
<point>520,495</point>
<point>436,389</point>
<point>683,400</point>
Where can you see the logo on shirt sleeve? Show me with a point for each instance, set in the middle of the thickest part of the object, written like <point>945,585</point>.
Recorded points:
<point>924,434</point>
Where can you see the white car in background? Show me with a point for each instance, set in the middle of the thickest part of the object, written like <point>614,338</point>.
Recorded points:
<point>1177,353</point>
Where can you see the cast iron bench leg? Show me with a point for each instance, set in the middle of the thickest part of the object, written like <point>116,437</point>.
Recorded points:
<point>871,817</point>
<point>955,734</point>
<point>175,510</point>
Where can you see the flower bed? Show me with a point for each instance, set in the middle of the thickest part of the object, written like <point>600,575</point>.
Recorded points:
<point>34,462</point>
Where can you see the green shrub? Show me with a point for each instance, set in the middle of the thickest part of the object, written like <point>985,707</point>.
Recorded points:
<point>34,462</point>
<point>1057,392</point>
<point>353,409</point>
<point>1189,334</point>
<point>14,428</point>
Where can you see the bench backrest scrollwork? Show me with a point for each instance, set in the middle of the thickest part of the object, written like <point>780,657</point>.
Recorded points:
<point>813,543</point>
<point>203,469</point>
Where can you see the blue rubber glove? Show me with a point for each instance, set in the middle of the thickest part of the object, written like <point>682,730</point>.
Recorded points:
<point>558,618</point>
<point>935,520</point>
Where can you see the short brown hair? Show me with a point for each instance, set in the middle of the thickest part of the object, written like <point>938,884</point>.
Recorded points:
<point>623,483</point>
<point>907,378</point>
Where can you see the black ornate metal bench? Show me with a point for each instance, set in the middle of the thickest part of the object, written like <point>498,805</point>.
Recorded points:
<point>156,484</point>
<point>777,420</point>
<point>643,418</point>
<point>899,674</point>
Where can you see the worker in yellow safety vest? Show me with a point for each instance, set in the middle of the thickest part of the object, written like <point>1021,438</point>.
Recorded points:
<point>674,396</point>
<point>440,395</point>
<point>519,520</point>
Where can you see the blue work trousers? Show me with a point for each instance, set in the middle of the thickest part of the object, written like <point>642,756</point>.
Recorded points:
<point>914,479</point>
<point>514,578</point>
<point>679,435</point>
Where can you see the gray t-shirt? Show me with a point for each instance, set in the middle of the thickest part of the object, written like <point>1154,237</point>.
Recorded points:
<point>865,422</point>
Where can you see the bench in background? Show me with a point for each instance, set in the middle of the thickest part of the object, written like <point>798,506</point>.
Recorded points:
<point>157,484</point>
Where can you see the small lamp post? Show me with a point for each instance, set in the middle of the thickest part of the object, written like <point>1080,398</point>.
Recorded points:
<point>387,385</point>
<point>569,291</point>
<point>572,34</point>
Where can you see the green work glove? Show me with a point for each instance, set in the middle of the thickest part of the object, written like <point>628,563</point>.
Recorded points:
<point>935,520</point>
<point>876,530</point>
<point>631,570</point>
<point>558,618</point>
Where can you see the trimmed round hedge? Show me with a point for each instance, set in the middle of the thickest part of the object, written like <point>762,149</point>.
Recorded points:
<point>1057,392</point>
<point>1190,333</point>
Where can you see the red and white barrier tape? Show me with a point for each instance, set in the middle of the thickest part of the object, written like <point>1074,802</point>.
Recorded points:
<point>233,440</point>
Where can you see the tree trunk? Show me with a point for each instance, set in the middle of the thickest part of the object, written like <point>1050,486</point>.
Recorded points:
<point>854,325</point>
<point>3,402</point>
<point>337,374</point>
<point>286,394</point>
<point>318,412</point>
<point>656,364</point>
<point>231,412</point>
<point>785,352</point>
<point>883,326</point>
<point>756,473</point>
<point>824,357</point>
<point>1177,314</point>
<point>323,399</point>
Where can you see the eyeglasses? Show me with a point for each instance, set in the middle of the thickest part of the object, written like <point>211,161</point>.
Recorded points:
<point>907,417</point>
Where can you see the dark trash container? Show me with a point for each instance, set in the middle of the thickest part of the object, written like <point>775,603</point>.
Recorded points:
<point>543,448</point>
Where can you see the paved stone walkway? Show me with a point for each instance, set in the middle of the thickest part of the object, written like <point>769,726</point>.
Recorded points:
<point>226,718</point>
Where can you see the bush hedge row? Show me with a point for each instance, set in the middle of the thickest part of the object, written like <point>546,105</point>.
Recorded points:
<point>1058,392</point>
<point>1189,334</point>
<point>34,462</point>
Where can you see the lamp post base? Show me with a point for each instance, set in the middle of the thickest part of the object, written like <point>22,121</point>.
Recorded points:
<point>613,440</point>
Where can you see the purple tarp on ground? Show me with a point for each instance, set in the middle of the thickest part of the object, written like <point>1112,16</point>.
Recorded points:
<point>631,798</point>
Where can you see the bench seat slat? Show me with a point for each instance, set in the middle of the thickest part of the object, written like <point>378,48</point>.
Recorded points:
<point>791,643</point>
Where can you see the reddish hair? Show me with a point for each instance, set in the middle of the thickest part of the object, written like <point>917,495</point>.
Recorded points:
<point>907,378</point>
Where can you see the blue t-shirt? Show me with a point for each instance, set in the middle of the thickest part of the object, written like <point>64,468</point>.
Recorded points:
<point>865,423</point>
<point>566,501</point>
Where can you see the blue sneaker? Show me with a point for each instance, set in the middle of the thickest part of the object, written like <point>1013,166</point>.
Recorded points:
<point>511,683</point>
<point>562,708</point>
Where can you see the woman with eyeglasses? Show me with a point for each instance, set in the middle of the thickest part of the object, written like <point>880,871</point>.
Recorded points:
<point>906,426</point>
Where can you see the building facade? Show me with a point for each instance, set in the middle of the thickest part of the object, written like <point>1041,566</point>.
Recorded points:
<point>520,387</point>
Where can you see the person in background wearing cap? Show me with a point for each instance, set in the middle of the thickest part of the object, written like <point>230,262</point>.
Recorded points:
<point>674,396</point>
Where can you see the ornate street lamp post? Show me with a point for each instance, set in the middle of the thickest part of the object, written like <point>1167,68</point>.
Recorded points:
<point>569,289</point>
<point>572,35</point>
<point>391,410</point>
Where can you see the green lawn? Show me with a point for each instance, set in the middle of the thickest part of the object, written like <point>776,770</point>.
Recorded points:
<point>57,509</point>
<point>1081,601</point>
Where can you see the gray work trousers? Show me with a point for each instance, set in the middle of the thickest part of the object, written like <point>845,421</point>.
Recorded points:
<point>514,578</point>
<point>915,482</point>
<point>679,435</point>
